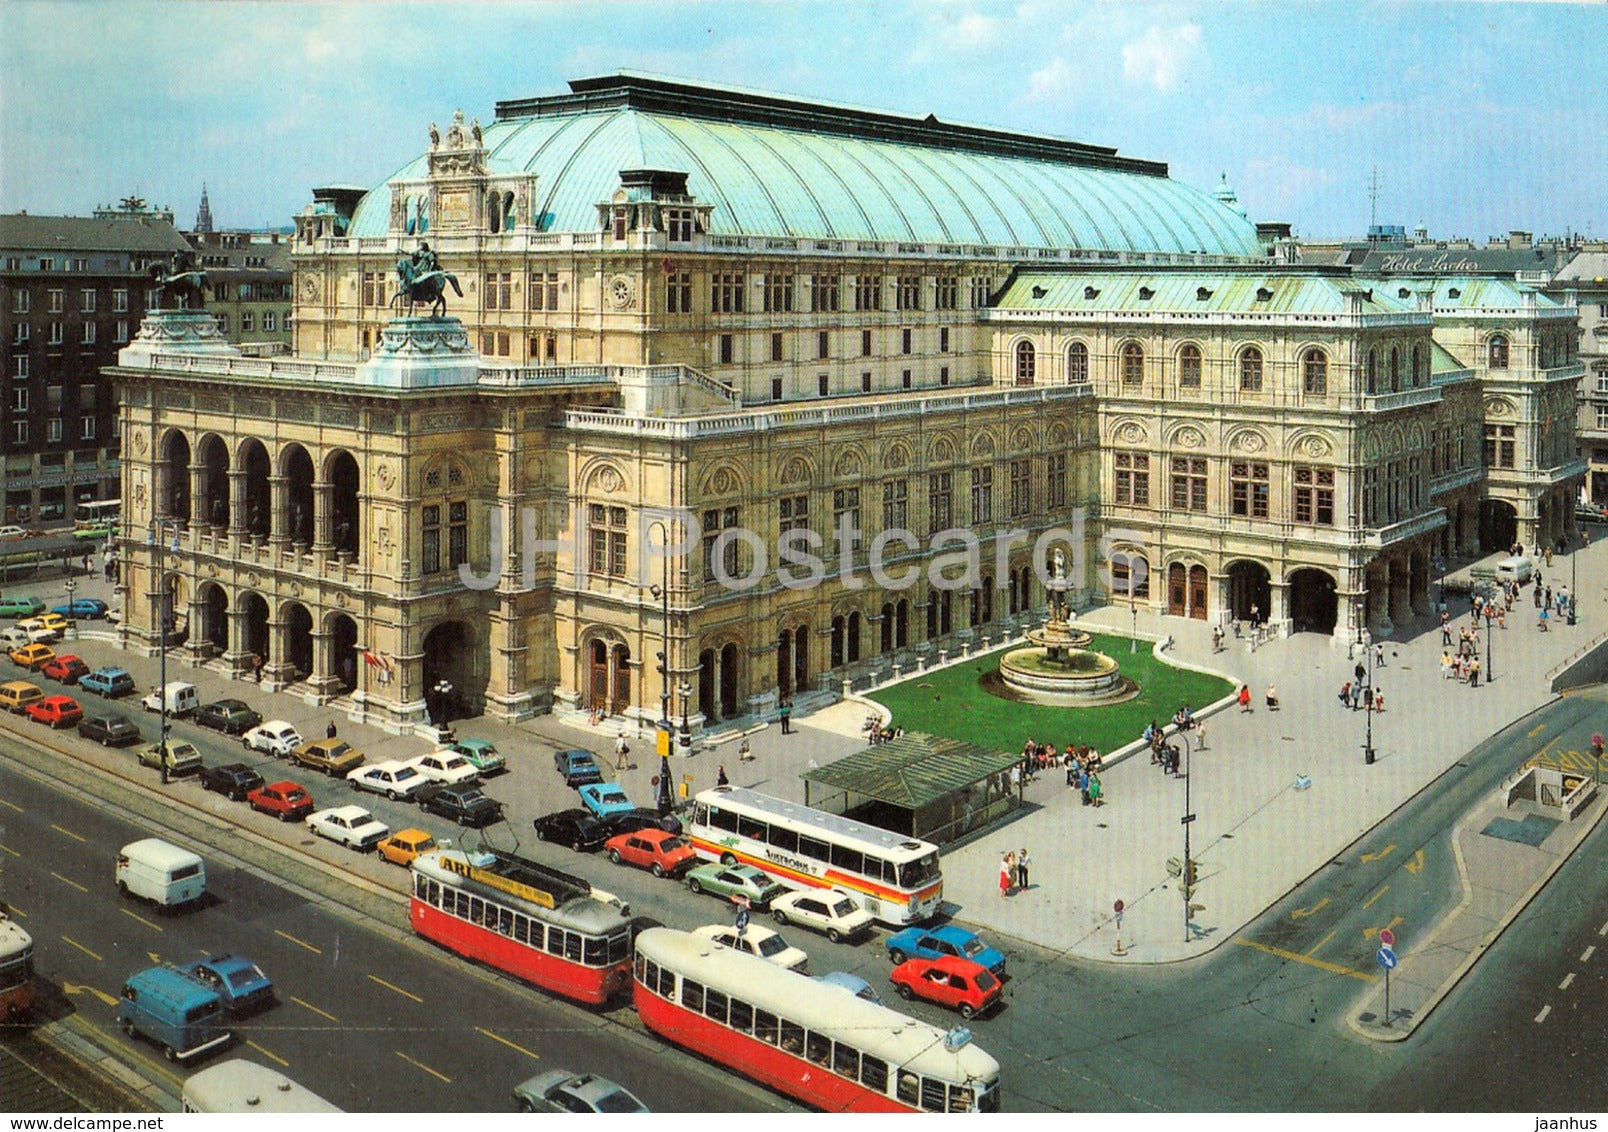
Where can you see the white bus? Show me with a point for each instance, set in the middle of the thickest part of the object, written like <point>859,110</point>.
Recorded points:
<point>239,1085</point>
<point>893,877</point>
<point>97,519</point>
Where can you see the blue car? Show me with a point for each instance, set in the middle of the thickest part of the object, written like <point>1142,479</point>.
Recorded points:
<point>239,982</point>
<point>88,608</point>
<point>108,682</point>
<point>578,767</point>
<point>933,943</point>
<point>605,799</point>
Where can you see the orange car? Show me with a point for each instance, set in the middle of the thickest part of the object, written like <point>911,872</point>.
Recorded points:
<point>404,845</point>
<point>57,711</point>
<point>33,657</point>
<point>661,853</point>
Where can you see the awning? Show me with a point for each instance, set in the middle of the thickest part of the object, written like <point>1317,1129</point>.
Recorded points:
<point>913,770</point>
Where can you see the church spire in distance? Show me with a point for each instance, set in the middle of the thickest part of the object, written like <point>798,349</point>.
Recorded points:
<point>203,215</point>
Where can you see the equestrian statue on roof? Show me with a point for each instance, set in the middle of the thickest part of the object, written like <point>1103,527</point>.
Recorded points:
<point>181,281</point>
<point>420,279</point>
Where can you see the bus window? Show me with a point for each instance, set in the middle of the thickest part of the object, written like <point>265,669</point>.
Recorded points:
<point>919,872</point>
<point>700,814</point>
<point>818,1048</point>
<point>874,1074</point>
<point>667,983</point>
<point>742,1016</point>
<point>792,1037</point>
<point>814,849</point>
<point>715,1006</point>
<point>784,839</point>
<point>849,860</point>
<point>766,1028</point>
<point>846,1061</point>
<point>421,887</point>
<point>933,1098</point>
<point>721,819</point>
<point>692,996</point>
<point>748,827</point>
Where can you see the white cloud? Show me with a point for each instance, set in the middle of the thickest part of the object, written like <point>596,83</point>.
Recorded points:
<point>1049,83</point>
<point>1161,55</point>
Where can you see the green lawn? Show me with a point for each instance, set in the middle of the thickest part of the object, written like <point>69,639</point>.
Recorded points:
<point>952,702</point>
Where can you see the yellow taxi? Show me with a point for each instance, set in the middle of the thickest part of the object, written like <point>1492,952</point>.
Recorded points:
<point>32,657</point>
<point>17,695</point>
<point>404,845</point>
<point>55,622</point>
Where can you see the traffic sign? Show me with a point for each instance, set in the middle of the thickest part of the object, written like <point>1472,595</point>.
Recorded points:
<point>1118,907</point>
<point>1387,958</point>
<point>1186,819</point>
<point>1387,937</point>
<point>742,920</point>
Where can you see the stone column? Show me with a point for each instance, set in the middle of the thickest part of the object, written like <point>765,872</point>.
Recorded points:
<point>1279,620</point>
<point>323,680</point>
<point>278,671</point>
<point>198,504</point>
<point>199,643</point>
<point>323,520</point>
<point>279,511</point>
<point>1400,585</point>
<point>238,656</point>
<point>237,503</point>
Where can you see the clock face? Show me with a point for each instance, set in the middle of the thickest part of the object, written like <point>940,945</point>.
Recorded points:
<point>620,292</point>
<point>310,288</point>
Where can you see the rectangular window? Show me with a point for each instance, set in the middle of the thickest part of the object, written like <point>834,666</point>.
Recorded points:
<point>776,389</point>
<point>776,347</point>
<point>1021,488</point>
<point>726,293</point>
<point>982,495</point>
<point>909,292</point>
<point>86,300</point>
<point>846,508</point>
<point>824,292</point>
<point>120,301</point>
<point>865,343</point>
<point>430,558</point>
<point>20,302</point>
<point>86,428</point>
<point>20,334</point>
<point>793,513</point>
<point>823,343</point>
<point>19,367</point>
<point>943,375</point>
<point>367,292</point>
<point>865,383</point>
<point>1500,446</point>
<point>867,293</point>
<point>895,505</point>
<point>58,299</point>
<point>943,339</point>
<point>982,289</point>
<point>19,400</point>
<point>247,322</point>
<point>823,383</point>
<point>778,293</point>
<point>940,502</point>
<point>947,297</point>
<point>726,349</point>
<point>904,379</point>
<point>678,225</point>
<point>678,292</point>
<point>904,340</point>
<point>607,539</point>
<point>1188,484</point>
<point>89,333</point>
<point>1133,478</point>
<point>714,522</point>
<point>19,432</point>
<point>1248,483</point>
<point>499,290</point>
<point>457,534</point>
<point>53,430</point>
<point>1314,495</point>
<point>269,322</point>
<point>1055,482</point>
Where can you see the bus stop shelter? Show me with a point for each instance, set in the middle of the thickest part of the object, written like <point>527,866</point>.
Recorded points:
<point>28,557</point>
<point>933,788</point>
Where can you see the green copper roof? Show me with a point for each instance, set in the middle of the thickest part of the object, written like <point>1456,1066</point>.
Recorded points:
<point>914,770</point>
<point>1194,292</point>
<point>785,168</point>
<point>1442,362</point>
<point>1474,293</point>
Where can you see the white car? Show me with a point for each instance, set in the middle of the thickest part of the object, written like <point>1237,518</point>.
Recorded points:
<point>823,910</point>
<point>12,532</point>
<point>393,779</point>
<point>353,826</point>
<point>38,632</point>
<point>760,941</point>
<point>446,767</point>
<point>275,737</point>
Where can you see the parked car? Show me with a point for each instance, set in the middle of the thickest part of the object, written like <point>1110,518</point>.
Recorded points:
<point>464,803</point>
<point>109,730</point>
<point>65,669</point>
<point>233,780</point>
<point>56,711</point>
<point>352,826</point>
<point>88,608</point>
<point>935,943</point>
<point>287,801</point>
<point>482,755</point>
<point>832,913</point>
<point>735,880</point>
<point>853,984</point>
<point>332,756</point>
<point>181,757</point>
<point>176,697</point>
<point>14,638</point>
<point>629,821</point>
<point>232,717</point>
<point>32,657</point>
<point>560,1090</point>
<point>108,683</point>
<point>578,767</point>
<point>756,939</point>
<point>579,829</point>
<point>241,984</point>
<point>17,605</point>
<point>276,737</point>
<point>446,767</point>
<point>404,845</point>
<point>605,798</point>
<point>45,627</point>
<point>1591,513</point>
<point>393,779</point>
<point>949,981</point>
<point>661,853</point>
<point>16,695</point>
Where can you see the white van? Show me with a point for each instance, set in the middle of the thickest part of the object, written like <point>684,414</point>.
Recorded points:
<point>1519,570</point>
<point>181,699</point>
<point>160,872</point>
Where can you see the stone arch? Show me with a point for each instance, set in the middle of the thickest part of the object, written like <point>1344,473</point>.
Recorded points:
<point>1371,447</point>
<point>1499,407</point>
<point>343,659</point>
<point>1077,362</point>
<point>940,450</point>
<point>722,480</point>
<point>1024,361</point>
<point>896,455</point>
<point>603,476</point>
<point>1314,600</point>
<point>1310,444</point>
<point>296,466</point>
<point>212,454</point>
<point>1184,435</point>
<point>173,476</point>
<point>252,458</point>
<point>345,523</point>
<point>796,469</point>
<point>850,464</point>
<point>214,609</point>
<point>452,657</point>
<point>1248,440</point>
<point>1058,433</point>
<point>1395,441</point>
<point>983,445</point>
<point>1128,431</point>
<point>296,628</point>
<point>1250,589</point>
<point>1021,438</point>
<point>255,617</point>
<point>1415,437</point>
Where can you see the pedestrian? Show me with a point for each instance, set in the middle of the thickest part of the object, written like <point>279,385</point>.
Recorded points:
<point>1538,593</point>
<point>786,713</point>
<point>720,776</point>
<point>1094,790</point>
<point>86,565</point>
<point>1474,673</point>
<point>1245,697</point>
<point>1446,628</point>
<point>1549,557</point>
<point>1256,615</point>
<point>329,732</point>
<point>1083,783</point>
<point>1378,700</point>
<point>257,664</point>
<point>744,754</point>
<point>1022,862</point>
<point>1548,602</point>
<point>622,751</point>
<point>1272,698</point>
<point>1007,875</point>
<point>1360,673</point>
<point>1541,622</point>
<point>1379,653</point>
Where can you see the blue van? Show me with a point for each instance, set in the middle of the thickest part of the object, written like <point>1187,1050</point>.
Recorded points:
<point>178,1013</point>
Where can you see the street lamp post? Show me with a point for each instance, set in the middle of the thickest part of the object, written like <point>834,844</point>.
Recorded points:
<point>1187,873</point>
<point>71,586</point>
<point>162,614</point>
<point>1440,585</point>
<point>1574,557</point>
<point>1367,741</point>
<point>1489,671</point>
<point>1596,749</point>
<point>662,592</point>
<point>686,732</point>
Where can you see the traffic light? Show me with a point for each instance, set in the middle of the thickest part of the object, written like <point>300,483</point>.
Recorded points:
<point>1187,883</point>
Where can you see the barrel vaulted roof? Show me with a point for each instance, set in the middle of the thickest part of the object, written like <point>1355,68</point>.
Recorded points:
<point>1196,292</point>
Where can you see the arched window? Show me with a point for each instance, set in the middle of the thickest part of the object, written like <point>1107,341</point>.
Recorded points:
<point>1373,371</point>
<point>1133,364</point>
<point>1418,366</point>
<point>1251,370</point>
<point>1026,363</point>
<point>1189,367</point>
<point>1498,356</point>
<point>1077,364</point>
<point>1314,373</point>
<point>494,212</point>
<point>1395,370</point>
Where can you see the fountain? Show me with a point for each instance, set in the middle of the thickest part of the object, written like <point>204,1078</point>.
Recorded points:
<point>1057,667</point>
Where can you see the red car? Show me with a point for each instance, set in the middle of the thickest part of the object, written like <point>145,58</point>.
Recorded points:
<point>66,669</point>
<point>57,711</point>
<point>949,981</point>
<point>287,801</point>
<point>661,853</point>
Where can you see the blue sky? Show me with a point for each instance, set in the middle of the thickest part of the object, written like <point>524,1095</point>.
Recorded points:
<point>1480,117</point>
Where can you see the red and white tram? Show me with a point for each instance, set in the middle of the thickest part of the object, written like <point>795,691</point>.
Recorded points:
<point>17,991</point>
<point>534,922</point>
<point>810,1040</point>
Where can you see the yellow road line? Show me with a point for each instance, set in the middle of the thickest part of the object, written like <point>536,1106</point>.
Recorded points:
<point>509,1044</point>
<point>1322,965</point>
<point>393,986</point>
<point>442,1077</point>
<point>299,942</point>
<point>69,833</point>
<point>74,883</point>
<point>141,919</point>
<point>81,947</point>
<point>314,1009</point>
<point>1376,896</point>
<point>12,805</point>
<point>10,850</point>
<point>283,1064</point>
<point>1315,948</point>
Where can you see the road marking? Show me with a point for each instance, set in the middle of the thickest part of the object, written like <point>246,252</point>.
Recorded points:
<point>1416,863</point>
<point>1321,964</point>
<point>74,883</point>
<point>299,942</point>
<point>10,850</point>
<point>141,919</point>
<point>80,988</point>
<point>399,990</point>
<point>1585,956</point>
<point>13,806</point>
<point>1545,1010</point>
<point>1536,730</point>
<point>81,947</point>
<point>15,911</point>
<point>1370,858</point>
<point>1375,896</point>
<point>1567,979</point>
<point>1300,913</point>
<point>498,1038</point>
<point>314,1009</point>
<point>69,833</point>
<point>1315,948</point>
<point>283,1064</point>
<point>1604,929</point>
<point>421,1065</point>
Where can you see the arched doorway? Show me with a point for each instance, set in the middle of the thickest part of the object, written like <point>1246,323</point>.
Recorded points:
<point>901,623</point>
<point>344,521</point>
<point>298,638</point>
<point>784,663</point>
<point>1314,604</point>
<point>1249,587</point>
<point>1197,592</point>
<point>620,659</point>
<point>1177,589</point>
<point>839,641</point>
<point>706,684</point>
<point>801,658</point>
<point>343,651</point>
<point>728,681</point>
<point>214,627</point>
<point>887,627</point>
<point>297,468</point>
<point>854,636</point>
<point>255,610</point>
<point>259,500</point>
<point>597,676</point>
<point>449,657</point>
<point>1499,525</point>
<point>214,459</point>
<point>173,478</point>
